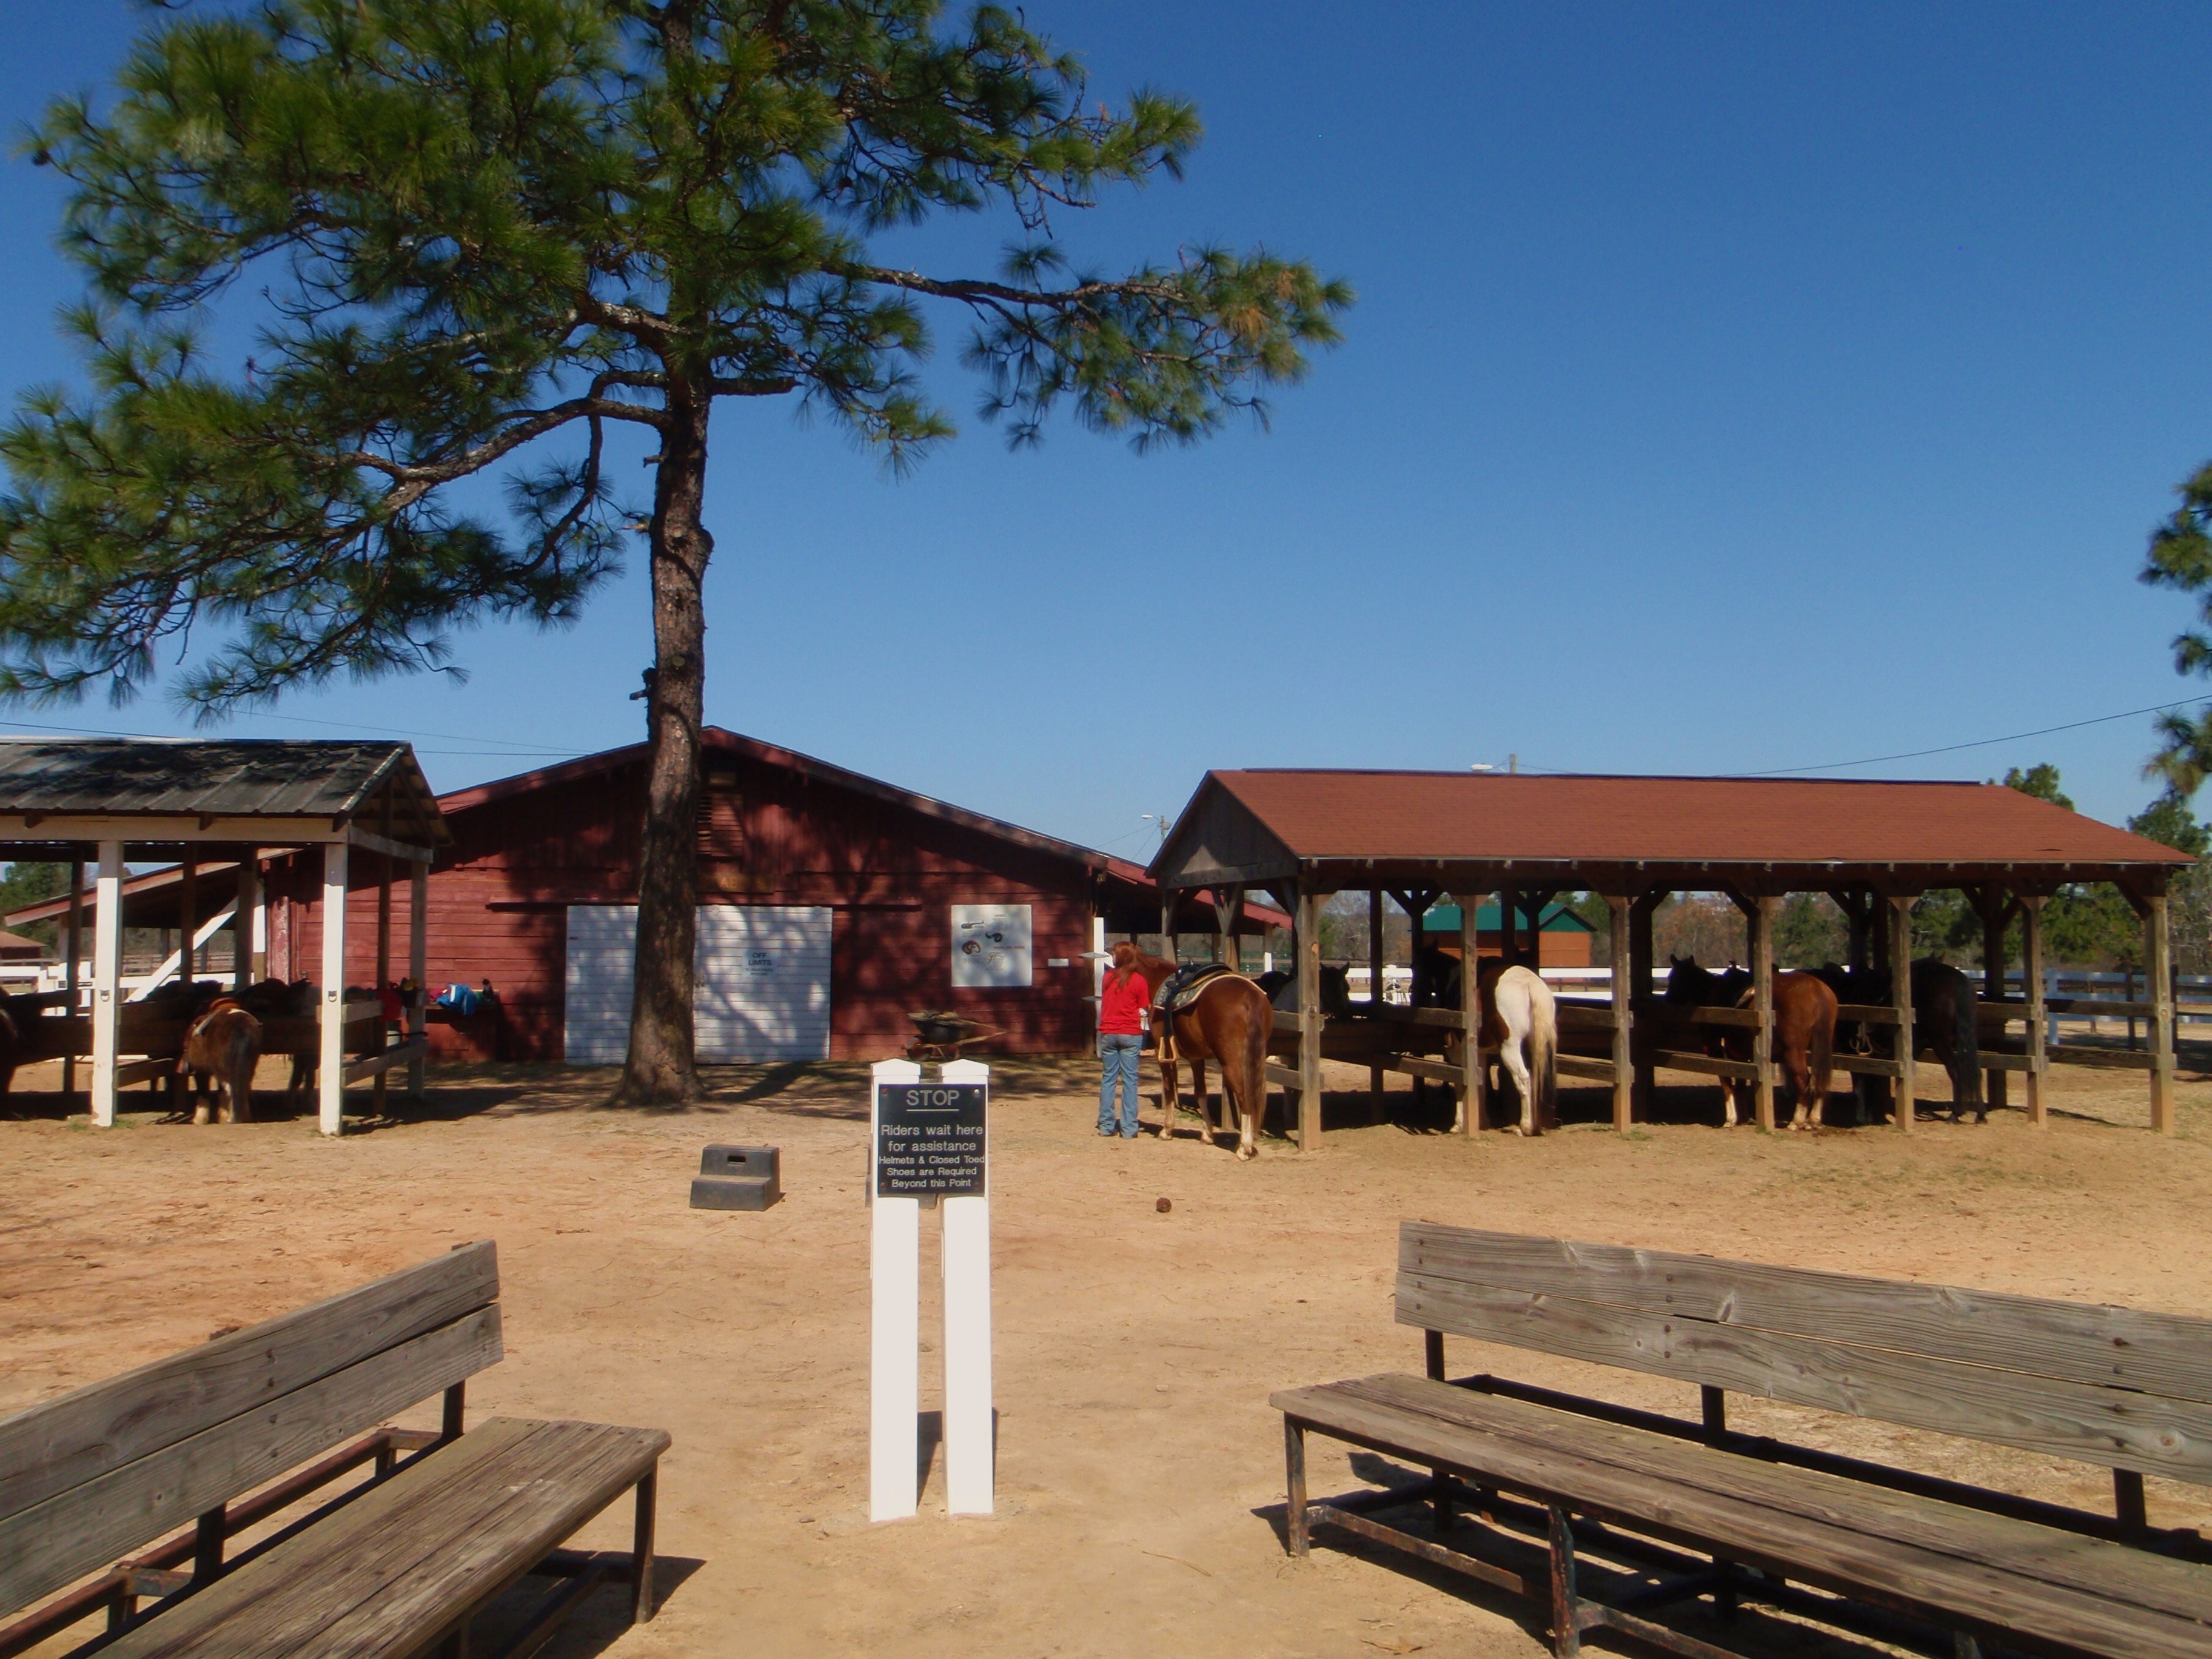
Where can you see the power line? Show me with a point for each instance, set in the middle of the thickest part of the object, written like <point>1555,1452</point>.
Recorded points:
<point>1979,743</point>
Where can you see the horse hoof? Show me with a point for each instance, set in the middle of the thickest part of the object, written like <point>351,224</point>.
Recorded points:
<point>1246,1154</point>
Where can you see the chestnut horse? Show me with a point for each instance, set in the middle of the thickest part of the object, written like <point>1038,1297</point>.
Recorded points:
<point>1230,1023</point>
<point>1804,1029</point>
<point>222,1046</point>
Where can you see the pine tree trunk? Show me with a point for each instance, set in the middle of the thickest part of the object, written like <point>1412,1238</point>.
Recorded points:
<point>660,1069</point>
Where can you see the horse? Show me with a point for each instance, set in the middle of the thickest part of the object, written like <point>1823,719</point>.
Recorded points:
<point>1230,1022</point>
<point>1335,991</point>
<point>1943,1017</point>
<point>1520,1019</point>
<point>1804,1029</point>
<point>222,1046</point>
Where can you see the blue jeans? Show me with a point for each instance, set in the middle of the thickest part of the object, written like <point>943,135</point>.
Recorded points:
<point>1118,1052</point>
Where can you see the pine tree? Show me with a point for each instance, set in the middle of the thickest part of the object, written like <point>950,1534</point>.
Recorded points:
<point>475,236</point>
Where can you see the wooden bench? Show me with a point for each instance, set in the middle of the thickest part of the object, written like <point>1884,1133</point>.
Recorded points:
<point>212,1440</point>
<point>1664,1509</point>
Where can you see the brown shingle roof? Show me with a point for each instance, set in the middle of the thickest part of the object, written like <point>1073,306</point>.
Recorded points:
<point>1403,817</point>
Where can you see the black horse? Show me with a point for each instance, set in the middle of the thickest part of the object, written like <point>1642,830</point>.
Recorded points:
<point>1943,1017</point>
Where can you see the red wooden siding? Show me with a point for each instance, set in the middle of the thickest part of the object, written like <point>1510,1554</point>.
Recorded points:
<point>768,835</point>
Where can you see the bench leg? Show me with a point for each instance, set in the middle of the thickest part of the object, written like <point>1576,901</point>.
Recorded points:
<point>640,1566</point>
<point>1567,1631</point>
<point>207,1538</point>
<point>1294,1464</point>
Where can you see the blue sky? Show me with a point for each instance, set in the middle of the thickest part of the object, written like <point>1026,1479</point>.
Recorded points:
<point>1732,388</point>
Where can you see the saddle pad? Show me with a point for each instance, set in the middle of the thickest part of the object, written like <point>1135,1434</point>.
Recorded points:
<point>1189,984</point>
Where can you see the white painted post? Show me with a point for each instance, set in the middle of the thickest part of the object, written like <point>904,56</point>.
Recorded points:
<point>418,961</point>
<point>1098,960</point>
<point>260,920</point>
<point>245,918</point>
<point>894,1327</point>
<point>333,1033</point>
<point>969,1453</point>
<point>106,978</point>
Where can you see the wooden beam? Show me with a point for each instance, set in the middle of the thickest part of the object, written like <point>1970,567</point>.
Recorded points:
<point>1993,903</point>
<point>1899,908</point>
<point>2158,964</point>
<point>1473,1076</point>
<point>376,1065</point>
<point>418,948</point>
<point>1374,1000</point>
<point>383,953</point>
<point>2031,963</point>
<point>1759,917</point>
<point>243,910</point>
<point>1618,906</point>
<point>1643,1086</point>
<point>1309,1021</point>
<point>369,841</point>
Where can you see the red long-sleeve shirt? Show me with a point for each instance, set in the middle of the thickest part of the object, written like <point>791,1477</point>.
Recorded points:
<point>1120,1007</point>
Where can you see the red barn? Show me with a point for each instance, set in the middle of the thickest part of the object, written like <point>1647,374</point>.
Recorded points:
<point>831,906</point>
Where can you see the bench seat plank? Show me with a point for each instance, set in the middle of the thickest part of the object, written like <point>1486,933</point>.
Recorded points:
<point>1999,1572</point>
<point>388,1573</point>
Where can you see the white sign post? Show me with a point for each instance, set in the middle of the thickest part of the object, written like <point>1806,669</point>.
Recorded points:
<point>929,1141</point>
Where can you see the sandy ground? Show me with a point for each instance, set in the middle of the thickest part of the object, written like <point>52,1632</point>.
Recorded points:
<point>1140,1474</point>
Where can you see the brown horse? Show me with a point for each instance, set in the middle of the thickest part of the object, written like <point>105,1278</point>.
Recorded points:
<point>1804,1030</point>
<point>1229,1023</point>
<point>221,1047</point>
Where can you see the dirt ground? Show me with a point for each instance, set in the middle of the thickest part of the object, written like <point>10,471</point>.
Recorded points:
<point>1140,1470</point>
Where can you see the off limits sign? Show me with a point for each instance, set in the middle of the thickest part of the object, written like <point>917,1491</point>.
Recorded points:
<point>929,1146</point>
<point>930,1140</point>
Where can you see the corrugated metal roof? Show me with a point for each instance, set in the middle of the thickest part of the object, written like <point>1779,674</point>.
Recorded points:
<point>238,777</point>
<point>1494,816</point>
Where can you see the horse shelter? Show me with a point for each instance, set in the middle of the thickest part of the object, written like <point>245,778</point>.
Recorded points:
<point>221,811</point>
<point>1875,848</point>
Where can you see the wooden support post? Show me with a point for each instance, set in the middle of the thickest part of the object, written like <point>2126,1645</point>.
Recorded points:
<point>2158,967</point>
<point>1760,918</point>
<point>1900,907</point>
<point>72,975</point>
<point>384,862</point>
<point>107,977</point>
<point>1645,1088</point>
<point>242,914</point>
<point>188,912</point>
<point>418,966</point>
<point>1309,1021</point>
<point>1618,906</point>
<point>1473,1078</point>
<point>1509,926</point>
<point>331,1113</point>
<point>1994,904</point>
<point>2031,967</point>
<point>1375,1072</point>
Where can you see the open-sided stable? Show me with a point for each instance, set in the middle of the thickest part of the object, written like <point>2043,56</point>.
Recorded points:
<point>236,803</point>
<point>1873,846</point>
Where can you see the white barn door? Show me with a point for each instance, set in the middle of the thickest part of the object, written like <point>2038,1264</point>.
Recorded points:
<point>763,982</point>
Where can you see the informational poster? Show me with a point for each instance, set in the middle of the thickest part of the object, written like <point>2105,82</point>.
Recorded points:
<point>990,946</point>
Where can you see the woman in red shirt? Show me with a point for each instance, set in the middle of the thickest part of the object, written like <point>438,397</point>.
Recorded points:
<point>1123,1005</point>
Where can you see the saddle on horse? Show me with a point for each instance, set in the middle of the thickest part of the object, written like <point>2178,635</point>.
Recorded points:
<point>1177,992</point>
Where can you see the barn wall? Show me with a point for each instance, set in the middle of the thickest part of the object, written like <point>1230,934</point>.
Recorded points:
<point>767,835</point>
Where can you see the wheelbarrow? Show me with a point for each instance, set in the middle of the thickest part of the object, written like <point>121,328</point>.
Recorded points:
<point>940,1036</point>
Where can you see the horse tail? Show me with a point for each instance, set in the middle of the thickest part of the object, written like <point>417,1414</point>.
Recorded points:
<point>1544,1052</point>
<point>1820,1053</point>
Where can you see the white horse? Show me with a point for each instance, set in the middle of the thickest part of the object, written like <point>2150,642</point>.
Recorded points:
<point>1521,1021</point>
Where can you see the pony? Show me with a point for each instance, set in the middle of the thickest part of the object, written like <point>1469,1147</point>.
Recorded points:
<point>1804,1029</point>
<point>276,998</point>
<point>1944,1016</point>
<point>221,1047</point>
<point>1521,1020</point>
<point>1230,1022</point>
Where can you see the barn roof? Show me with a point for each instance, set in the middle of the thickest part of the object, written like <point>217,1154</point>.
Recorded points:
<point>1131,892</point>
<point>1358,828</point>
<point>154,790</point>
